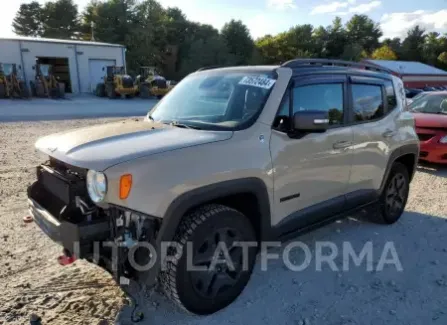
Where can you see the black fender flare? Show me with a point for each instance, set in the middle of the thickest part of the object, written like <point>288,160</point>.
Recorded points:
<point>180,206</point>
<point>395,155</point>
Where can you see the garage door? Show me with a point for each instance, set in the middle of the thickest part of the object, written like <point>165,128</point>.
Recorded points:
<point>96,71</point>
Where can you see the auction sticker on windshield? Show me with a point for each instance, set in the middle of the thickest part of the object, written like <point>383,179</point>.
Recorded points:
<point>257,81</point>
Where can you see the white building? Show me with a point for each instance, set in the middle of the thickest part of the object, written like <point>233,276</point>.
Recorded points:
<point>78,64</point>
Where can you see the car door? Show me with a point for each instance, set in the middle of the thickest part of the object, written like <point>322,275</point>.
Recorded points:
<point>374,127</point>
<point>311,171</point>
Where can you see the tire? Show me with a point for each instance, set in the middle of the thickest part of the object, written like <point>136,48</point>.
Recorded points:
<point>40,90</point>
<point>145,91</point>
<point>100,90</point>
<point>61,87</point>
<point>2,90</point>
<point>203,227</point>
<point>24,92</point>
<point>32,87</point>
<point>110,91</point>
<point>395,195</point>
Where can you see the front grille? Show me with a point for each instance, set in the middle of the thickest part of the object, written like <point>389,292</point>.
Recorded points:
<point>424,137</point>
<point>55,185</point>
<point>56,190</point>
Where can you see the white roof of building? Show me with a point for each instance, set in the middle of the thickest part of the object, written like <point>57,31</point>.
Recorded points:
<point>408,67</point>
<point>54,40</point>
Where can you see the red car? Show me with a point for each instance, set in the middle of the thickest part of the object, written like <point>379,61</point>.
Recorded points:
<point>430,113</point>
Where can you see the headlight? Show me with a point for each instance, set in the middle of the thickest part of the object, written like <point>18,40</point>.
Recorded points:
<point>96,185</point>
<point>443,139</point>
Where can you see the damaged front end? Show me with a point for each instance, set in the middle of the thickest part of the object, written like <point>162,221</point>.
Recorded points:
<point>115,238</point>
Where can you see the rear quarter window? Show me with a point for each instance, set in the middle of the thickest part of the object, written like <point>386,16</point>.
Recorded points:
<point>390,95</point>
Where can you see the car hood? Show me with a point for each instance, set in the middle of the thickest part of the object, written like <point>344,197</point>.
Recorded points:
<point>425,120</point>
<point>102,146</point>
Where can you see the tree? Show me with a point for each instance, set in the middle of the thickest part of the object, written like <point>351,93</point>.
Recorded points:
<point>320,38</point>
<point>395,45</point>
<point>60,19</point>
<point>238,41</point>
<point>27,21</point>
<point>337,39</point>
<point>353,52</point>
<point>363,31</point>
<point>432,47</point>
<point>384,53</point>
<point>442,60</point>
<point>412,46</point>
<point>113,20</point>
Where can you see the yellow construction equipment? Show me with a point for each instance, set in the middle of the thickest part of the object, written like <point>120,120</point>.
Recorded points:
<point>150,83</point>
<point>11,85</point>
<point>45,84</point>
<point>116,83</point>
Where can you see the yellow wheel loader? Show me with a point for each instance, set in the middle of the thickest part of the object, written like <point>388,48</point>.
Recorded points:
<point>116,83</point>
<point>45,84</point>
<point>151,84</point>
<point>11,85</point>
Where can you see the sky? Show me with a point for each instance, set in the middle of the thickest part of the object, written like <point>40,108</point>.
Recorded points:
<point>275,16</point>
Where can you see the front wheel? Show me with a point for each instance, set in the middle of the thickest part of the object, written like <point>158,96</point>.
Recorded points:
<point>213,232</point>
<point>395,194</point>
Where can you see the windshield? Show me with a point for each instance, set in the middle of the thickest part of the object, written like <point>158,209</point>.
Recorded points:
<point>430,103</point>
<point>216,100</point>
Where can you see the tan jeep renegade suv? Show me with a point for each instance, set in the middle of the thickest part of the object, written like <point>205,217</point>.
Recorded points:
<point>241,154</point>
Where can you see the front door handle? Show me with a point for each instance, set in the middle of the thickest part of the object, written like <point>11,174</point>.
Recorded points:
<point>388,134</point>
<point>342,144</point>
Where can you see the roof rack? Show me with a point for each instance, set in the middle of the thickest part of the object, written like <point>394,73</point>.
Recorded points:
<point>304,63</point>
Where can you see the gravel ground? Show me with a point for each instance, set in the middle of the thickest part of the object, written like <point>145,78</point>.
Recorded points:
<point>32,281</point>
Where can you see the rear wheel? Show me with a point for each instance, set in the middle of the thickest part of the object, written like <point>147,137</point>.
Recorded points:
<point>100,90</point>
<point>2,90</point>
<point>32,87</point>
<point>209,229</point>
<point>145,91</point>
<point>24,93</point>
<point>395,194</point>
<point>110,91</point>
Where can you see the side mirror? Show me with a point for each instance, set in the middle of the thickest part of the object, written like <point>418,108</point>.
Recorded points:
<point>310,121</point>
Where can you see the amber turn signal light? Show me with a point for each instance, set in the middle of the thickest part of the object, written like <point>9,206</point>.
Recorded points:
<point>125,186</point>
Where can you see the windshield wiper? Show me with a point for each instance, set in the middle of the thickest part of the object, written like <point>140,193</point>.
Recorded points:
<point>185,126</point>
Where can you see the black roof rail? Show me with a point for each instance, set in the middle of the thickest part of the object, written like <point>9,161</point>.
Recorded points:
<point>209,68</point>
<point>303,63</point>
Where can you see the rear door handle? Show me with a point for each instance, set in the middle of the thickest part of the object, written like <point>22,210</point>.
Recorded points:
<point>388,134</point>
<point>342,144</point>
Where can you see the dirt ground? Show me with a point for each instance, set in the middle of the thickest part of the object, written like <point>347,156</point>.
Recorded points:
<point>32,281</point>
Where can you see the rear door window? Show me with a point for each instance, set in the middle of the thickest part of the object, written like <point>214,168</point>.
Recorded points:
<point>390,95</point>
<point>367,102</point>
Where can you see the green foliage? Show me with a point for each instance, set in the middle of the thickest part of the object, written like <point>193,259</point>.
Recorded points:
<point>363,31</point>
<point>353,52</point>
<point>384,53</point>
<point>163,37</point>
<point>442,60</point>
<point>60,19</point>
<point>413,45</point>
<point>238,41</point>
<point>27,21</point>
